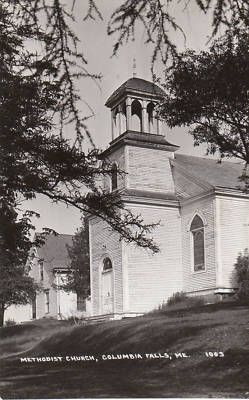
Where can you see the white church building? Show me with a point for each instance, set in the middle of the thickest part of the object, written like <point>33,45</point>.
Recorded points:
<point>203,214</point>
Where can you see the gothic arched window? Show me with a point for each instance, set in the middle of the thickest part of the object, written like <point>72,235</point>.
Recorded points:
<point>198,243</point>
<point>107,264</point>
<point>114,177</point>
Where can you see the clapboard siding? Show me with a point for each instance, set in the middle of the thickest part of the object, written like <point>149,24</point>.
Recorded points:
<point>105,243</point>
<point>194,281</point>
<point>234,235</point>
<point>117,156</point>
<point>149,169</point>
<point>152,278</point>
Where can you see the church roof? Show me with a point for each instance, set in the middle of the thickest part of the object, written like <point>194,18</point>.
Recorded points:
<point>210,171</point>
<point>135,85</point>
<point>54,251</point>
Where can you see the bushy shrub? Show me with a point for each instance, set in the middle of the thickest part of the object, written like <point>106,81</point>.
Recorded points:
<point>177,297</point>
<point>10,322</point>
<point>194,301</point>
<point>180,301</point>
<point>76,320</point>
<point>242,276</point>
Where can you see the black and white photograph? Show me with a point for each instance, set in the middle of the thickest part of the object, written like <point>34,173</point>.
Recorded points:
<point>124,199</point>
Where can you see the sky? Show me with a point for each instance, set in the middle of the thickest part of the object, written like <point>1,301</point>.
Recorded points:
<point>97,48</point>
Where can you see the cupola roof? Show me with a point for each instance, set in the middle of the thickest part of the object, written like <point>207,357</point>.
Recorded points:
<point>135,86</point>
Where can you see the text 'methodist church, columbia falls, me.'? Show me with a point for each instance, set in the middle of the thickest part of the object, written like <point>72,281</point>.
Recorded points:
<point>203,214</point>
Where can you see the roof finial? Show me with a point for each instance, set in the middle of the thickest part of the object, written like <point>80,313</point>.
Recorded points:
<point>134,67</point>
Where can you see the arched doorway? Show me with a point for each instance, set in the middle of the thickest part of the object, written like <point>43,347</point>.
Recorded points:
<point>107,287</point>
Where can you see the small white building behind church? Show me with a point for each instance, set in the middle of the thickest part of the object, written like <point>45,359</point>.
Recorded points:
<point>203,214</point>
<point>49,265</point>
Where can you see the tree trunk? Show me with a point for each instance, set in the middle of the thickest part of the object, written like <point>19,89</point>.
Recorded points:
<point>1,314</point>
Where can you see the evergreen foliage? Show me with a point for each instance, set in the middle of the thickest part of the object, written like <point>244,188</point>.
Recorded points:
<point>78,279</point>
<point>242,275</point>
<point>157,18</point>
<point>206,91</point>
<point>209,93</point>
<point>16,287</point>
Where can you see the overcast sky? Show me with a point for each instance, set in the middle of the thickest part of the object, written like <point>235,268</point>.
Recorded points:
<point>97,48</point>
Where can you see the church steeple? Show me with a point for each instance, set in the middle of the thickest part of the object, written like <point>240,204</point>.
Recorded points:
<point>133,107</point>
<point>138,146</point>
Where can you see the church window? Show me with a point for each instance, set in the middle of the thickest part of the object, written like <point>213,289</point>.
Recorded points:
<point>107,264</point>
<point>114,177</point>
<point>198,244</point>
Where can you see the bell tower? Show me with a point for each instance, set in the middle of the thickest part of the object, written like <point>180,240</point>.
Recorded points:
<point>133,107</point>
<point>138,144</point>
<point>140,149</point>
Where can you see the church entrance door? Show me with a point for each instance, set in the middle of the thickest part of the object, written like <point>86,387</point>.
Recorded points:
<point>107,287</point>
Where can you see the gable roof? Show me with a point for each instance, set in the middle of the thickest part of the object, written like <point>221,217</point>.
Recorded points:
<point>54,251</point>
<point>206,172</point>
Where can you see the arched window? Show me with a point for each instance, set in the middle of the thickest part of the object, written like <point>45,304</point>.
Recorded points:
<point>136,116</point>
<point>198,244</point>
<point>114,177</point>
<point>107,264</point>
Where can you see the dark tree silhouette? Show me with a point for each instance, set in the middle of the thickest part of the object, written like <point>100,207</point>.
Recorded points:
<point>242,276</point>
<point>158,20</point>
<point>209,93</point>
<point>16,287</point>
<point>38,87</point>
<point>78,278</point>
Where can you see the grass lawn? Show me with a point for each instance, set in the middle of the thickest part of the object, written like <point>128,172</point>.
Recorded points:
<point>222,328</point>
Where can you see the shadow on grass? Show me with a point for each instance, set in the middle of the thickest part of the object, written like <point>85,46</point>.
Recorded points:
<point>178,310</point>
<point>10,331</point>
<point>228,374</point>
<point>19,338</point>
<point>139,337</point>
<point>190,377</point>
<point>114,378</point>
<point>210,378</point>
